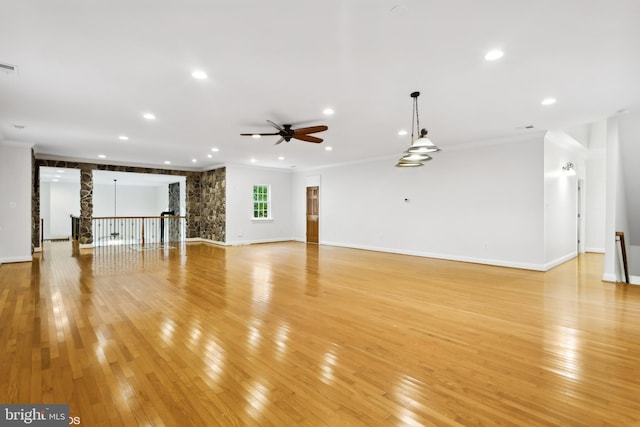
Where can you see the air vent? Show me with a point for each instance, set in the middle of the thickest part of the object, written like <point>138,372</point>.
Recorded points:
<point>8,68</point>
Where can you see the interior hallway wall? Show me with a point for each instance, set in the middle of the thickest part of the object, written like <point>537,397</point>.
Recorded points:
<point>58,200</point>
<point>616,204</point>
<point>561,196</point>
<point>15,202</point>
<point>595,188</point>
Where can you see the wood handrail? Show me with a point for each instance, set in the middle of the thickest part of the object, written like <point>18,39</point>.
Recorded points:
<point>620,234</point>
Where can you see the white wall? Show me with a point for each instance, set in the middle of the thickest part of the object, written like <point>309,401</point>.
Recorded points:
<point>616,207</point>
<point>132,200</point>
<point>634,260</point>
<point>15,202</point>
<point>481,204</point>
<point>58,200</point>
<point>629,139</point>
<point>162,199</point>
<point>561,196</point>
<point>65,201</point>
<point>240,227</point>
<point>595,188</point>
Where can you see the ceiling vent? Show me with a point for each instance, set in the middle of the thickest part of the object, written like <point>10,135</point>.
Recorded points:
<point>8,68</point>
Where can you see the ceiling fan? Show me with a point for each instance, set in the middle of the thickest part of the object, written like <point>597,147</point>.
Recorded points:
<point>286,133</point>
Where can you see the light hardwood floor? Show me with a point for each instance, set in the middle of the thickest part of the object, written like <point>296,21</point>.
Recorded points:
<point>288,334</point>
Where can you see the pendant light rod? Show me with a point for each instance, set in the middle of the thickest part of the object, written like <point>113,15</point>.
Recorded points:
<point>416,115</point>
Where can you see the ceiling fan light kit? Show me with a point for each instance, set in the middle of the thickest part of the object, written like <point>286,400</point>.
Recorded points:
<point>286,133</point>
<point>416,154</point>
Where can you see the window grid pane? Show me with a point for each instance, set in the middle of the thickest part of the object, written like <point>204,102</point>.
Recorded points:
<point>261,203</point>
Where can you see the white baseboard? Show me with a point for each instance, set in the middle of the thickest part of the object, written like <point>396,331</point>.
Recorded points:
<point>200,240</point>
<point>193,240</point>
<point>610,277</point>
<point>595,250</point>
<point>238,242</point>
<point>8,260</point>
<point>38,249</point>
<point>257,241</point>
<point>449,257</point>
<point>561,260</point>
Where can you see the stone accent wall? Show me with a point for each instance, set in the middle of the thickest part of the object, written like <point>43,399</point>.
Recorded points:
<point>193,206</point>
<point>86,206</point>
<point>35,203</point>
<point>213,211</point>
<point>174,205</point>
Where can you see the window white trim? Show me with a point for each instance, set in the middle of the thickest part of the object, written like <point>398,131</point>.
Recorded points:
<point>261,203</point>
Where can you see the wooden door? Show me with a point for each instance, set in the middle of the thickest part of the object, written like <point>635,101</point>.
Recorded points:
<point>312,215</point>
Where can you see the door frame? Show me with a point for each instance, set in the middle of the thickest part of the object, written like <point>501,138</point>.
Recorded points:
<point>306,211</point>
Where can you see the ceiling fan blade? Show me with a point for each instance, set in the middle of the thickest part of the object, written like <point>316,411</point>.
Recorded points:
<point>311,129</point>
<point>261,134</point>
<point>308,138</point>
<point>280,140</point>
<point>277,126</point>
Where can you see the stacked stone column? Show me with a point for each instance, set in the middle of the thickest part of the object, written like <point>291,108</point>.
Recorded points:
<point>174,205</point>
<point>86,206</point>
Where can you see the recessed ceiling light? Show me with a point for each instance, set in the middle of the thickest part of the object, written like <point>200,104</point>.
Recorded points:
<point>149,116</point>
<point>215,149</point>
<point>402,132</point>
<point>60,171</point>
<point>280,158</point>
<point>328,111</point>
<point>194,160</point>
<point>253,160</point>
<point>123,137</point>
<point>209,155</point>
<point>548,101</point>
<point>57,176</point>
<point>199,74</point>
<point>328,148</point>
<point>492,55</point>
<point>55,180</point>
<point>256,135</point>
<point>102,156</point>
<point>167,162</point>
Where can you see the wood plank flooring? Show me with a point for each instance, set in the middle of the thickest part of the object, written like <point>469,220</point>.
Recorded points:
<point>293,335</point>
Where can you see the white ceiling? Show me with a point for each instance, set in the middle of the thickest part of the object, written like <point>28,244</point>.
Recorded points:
<point>88,71</point>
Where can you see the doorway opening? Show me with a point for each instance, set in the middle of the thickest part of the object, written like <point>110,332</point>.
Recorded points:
<point>313,225</point>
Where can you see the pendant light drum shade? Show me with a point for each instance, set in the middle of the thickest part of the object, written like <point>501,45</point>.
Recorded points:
<point>402,164</point>
<point>415,157</point>
<point>423,144</point>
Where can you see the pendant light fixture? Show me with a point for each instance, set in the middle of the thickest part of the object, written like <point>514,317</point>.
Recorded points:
<point>420,148</point>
